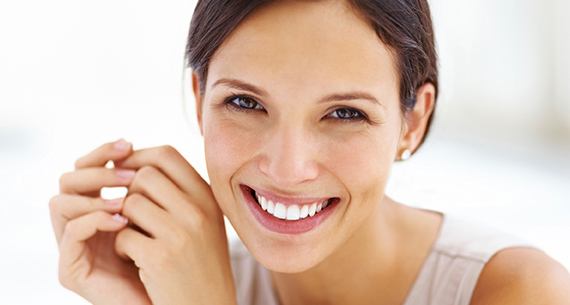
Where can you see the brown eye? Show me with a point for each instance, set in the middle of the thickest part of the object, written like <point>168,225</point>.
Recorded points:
<point>348,114</point>
<point>243,103</point>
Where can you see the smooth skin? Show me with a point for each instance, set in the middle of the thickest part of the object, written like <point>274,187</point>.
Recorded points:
<point>297,52</point>
<point>176,254</point>
<point>291,54</point>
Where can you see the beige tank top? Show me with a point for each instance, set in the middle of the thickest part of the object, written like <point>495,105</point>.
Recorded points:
<point>448,276</point>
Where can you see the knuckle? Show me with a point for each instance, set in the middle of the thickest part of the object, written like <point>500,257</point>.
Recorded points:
<point>54,203</point>
<point>78,163</point>
<point>166,150</point>
<point>134,199</point>
<point>63,179</point>
<point>73,227</point>
<point>119,238</point>
<point>130,201</point>
<point>143,175</point>
<point>70,229</point>
<point>146,171</point>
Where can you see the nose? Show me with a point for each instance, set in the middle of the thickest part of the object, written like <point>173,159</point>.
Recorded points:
<point>289,157</point>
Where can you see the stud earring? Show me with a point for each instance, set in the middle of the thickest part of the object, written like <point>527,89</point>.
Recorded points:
<point>405,155</point>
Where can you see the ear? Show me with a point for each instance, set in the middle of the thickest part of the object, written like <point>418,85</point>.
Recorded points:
<point>198,99</point>
<point>415,121</point>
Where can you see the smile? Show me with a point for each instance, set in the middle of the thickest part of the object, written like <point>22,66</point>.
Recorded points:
<point>292,211</point>
<point>287,215</point>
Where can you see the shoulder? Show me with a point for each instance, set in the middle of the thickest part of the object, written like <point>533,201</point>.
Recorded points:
<point>521,275</point>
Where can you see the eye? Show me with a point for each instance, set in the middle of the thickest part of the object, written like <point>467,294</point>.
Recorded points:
<point>348,114</point>
<point>242,103</point>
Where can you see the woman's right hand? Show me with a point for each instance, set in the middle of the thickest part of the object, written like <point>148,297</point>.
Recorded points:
<point>85,226</point>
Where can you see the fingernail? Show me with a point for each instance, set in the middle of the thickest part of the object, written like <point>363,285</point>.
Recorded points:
<point>119,218</point>
<point>125,173</point>
<point>113,202</point>
<point>121,145</point>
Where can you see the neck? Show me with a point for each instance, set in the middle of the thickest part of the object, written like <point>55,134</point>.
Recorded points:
<point>361,271</point>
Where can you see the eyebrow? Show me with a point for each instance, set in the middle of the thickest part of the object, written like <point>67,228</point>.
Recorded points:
<point>345,96</point>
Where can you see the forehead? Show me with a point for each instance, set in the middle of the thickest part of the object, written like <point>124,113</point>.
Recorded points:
<point>306,45</point>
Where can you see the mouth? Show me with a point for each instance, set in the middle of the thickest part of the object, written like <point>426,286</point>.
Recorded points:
<point>288,215</point>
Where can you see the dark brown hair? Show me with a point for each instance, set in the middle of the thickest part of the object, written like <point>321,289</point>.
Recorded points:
<point>405,26</point>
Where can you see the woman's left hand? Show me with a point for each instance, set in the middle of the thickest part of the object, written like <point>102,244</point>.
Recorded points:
<point>185,260</point>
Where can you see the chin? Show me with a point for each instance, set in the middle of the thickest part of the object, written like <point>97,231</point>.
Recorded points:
<point>286,261</point>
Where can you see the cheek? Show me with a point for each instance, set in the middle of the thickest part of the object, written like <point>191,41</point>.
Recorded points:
<point>226,148</point>
<point>363,164</point>
<point>227,144</point>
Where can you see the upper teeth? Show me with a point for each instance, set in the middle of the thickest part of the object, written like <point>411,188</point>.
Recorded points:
<point>293,211</point>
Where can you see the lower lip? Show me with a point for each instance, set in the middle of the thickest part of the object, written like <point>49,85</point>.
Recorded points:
<point>286,226</point>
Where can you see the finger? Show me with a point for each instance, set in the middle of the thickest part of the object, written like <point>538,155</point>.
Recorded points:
<point>176,168</point>
<point>65,207</point>
<point>170,162</point>
<point>147,215</point>
<point>80,229</point>
<point>109,151</point>
<point>130,244</point>
<point>153,184</point>
<point>93,179</point>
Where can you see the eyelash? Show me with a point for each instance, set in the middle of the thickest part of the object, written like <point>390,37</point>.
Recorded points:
<point>361,118</point>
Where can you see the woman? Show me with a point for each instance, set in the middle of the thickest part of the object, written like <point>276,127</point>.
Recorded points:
<point>303,106</point>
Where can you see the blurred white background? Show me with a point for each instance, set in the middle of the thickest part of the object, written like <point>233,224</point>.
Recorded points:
<point>76,74</point>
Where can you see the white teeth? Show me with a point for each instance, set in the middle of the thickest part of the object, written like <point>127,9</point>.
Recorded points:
<point>312,209</point>
<point>304,211</point>
<point>280,211</point>
<point>293,212</point>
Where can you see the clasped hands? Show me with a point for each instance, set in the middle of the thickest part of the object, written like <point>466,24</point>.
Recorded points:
<point>169,246</point>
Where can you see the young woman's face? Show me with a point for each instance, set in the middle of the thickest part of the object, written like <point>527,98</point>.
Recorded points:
<point>294,141</point>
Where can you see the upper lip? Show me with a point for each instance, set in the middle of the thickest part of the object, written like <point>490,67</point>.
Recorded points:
<point>287,200</point>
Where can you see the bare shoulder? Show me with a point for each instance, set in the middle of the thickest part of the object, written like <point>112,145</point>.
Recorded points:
<point>522,276</point>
